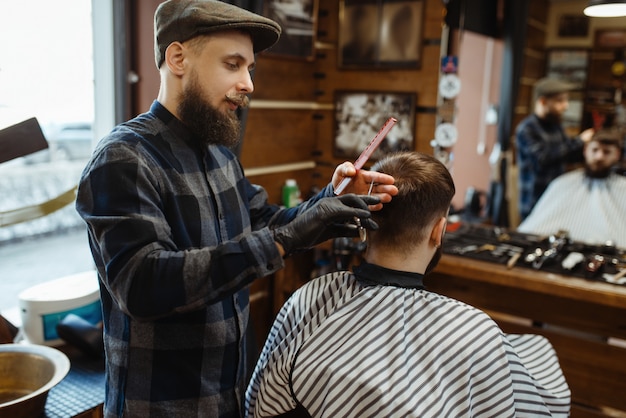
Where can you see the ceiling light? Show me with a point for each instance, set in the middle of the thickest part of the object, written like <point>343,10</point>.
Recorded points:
<point>606,8</point>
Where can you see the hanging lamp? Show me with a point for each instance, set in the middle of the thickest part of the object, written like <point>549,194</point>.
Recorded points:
<point>606,8</point>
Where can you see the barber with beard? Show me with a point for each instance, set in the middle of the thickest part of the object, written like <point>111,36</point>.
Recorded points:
<point>542,146</point>
<point>178,233</point>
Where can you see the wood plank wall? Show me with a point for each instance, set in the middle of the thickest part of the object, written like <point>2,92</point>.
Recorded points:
<point>287,135</point>
<point>534,65</point>
<point>278,136</point>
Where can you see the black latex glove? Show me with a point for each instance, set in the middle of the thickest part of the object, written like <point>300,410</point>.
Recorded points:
<point>330,217</point>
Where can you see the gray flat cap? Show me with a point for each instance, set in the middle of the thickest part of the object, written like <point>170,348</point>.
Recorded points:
<point>546,87</point>
<point>181,20</point>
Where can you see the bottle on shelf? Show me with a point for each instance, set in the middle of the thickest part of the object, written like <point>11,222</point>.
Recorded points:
<point>291,193</point>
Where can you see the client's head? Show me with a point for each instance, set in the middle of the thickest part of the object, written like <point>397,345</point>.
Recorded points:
<point>603,152</point>
<point>413,223</point>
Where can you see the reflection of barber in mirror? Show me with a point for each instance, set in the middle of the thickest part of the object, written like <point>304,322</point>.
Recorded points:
<point>589,202</point>
<point>542,146</point>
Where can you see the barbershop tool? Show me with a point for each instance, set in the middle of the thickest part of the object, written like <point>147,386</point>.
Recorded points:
<point>486,247</point>
<point>514,253</point>
<point>531,257</point>
<point>357,221</point>
<point>362,231</point>
<point>557,242</point>
<point>367,152</point>
<point>513,260</point>
<point>595,264</point>
<point>572,260</point>
<point>549,254</point>
<point>501,234</point>
<point>506,249</point>
<point>463,249</point>
<point>617,278</point>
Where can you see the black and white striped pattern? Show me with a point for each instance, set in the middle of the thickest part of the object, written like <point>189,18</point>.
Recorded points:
<point>381,351</point>
<point>591,210</point>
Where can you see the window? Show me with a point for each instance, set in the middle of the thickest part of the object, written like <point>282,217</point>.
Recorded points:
<point>47,72</point>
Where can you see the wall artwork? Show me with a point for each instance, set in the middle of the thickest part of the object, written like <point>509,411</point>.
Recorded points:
<point>360,115</point>
<point>380,34</point>
<point>297,18</point>
<point>610,38</point>
<point>569,65</point>
<point>573,26</point>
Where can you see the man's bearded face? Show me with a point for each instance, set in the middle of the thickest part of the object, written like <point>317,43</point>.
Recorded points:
<point>600,158</point>
<point>211,125</point>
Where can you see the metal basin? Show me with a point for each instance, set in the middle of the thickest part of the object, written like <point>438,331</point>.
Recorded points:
<point>27,373</point>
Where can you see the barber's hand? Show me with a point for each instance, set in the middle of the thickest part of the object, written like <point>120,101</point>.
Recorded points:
<point>587,135</point>
<point>361,181</point>
<point>330,217</point>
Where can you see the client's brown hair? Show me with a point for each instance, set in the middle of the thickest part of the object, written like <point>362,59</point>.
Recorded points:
<point>609,136</point>
<point>425,190</point>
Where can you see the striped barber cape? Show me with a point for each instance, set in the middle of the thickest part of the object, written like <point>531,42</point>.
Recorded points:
<point>591,210</point>
<point>377,344</point>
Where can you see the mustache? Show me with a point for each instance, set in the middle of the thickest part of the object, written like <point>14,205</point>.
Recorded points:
<point>240,100</point>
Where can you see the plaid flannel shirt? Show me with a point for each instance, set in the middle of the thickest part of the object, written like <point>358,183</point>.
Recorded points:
<point>177,233</point>
<point>542,149</point>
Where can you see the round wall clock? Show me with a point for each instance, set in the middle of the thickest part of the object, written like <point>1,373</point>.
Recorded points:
<point>449,86</point>
<point>446,135</point>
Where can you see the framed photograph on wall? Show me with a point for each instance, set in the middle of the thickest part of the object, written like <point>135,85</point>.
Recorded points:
<point>297,18</point>
<point>610,38</point>
<point>360,115</point>
<point>573,26</point>
<point>568,65</point>
<point>380,34</point>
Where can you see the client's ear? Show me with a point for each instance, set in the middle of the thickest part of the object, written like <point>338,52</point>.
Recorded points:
<point>436,235</point>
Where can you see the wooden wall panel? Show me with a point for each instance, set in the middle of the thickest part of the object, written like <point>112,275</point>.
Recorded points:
<point>278,137</point>
<point>536,34</point>
<point>534,65</point>
<point>283,79</point>
<point>422,81</point>
<point>538,10</point>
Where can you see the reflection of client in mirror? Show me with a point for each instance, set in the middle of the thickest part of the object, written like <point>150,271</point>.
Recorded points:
<point>589,202</point>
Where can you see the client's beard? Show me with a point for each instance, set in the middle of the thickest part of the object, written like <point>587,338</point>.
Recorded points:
<point>209,124</point>
<point>597,173</point>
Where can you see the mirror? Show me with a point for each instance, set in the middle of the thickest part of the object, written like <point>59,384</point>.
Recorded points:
<point>588,52</point>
